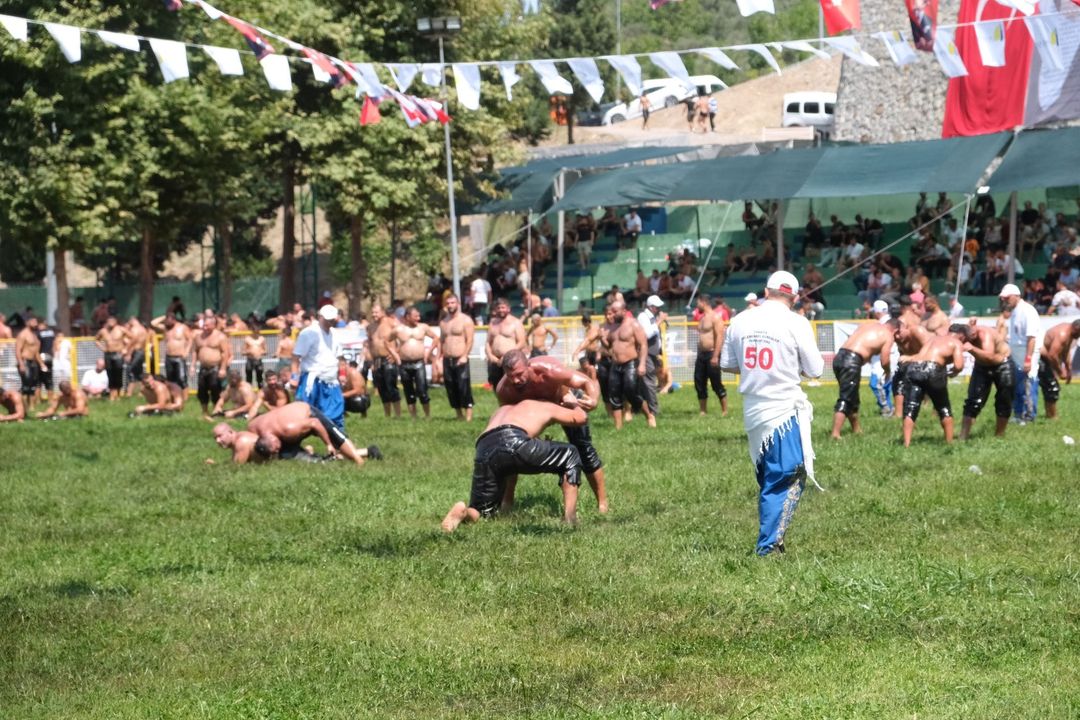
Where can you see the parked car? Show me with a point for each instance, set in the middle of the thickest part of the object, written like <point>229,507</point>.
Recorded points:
<point>663,93</point>
<point>595,116</point>
<point>809,109</point>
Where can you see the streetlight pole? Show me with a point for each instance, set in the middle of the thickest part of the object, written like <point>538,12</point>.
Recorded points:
<point>441,28</point>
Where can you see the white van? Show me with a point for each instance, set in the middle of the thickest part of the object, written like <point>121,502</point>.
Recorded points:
<point>809,109</point>
<point>664,93</point>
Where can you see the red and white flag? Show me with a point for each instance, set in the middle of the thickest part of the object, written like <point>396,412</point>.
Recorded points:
<point>841,15</point>
<point>923,17</point>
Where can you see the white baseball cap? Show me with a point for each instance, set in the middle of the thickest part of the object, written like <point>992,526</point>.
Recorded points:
<point>784,282</point>
<point>750,297</point>
<point>329,312</point>
<point>654,301</point>
<point>880,306</point>
<point>1008,290</point>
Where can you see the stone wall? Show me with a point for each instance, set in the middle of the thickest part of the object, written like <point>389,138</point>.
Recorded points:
<point>889,103</point>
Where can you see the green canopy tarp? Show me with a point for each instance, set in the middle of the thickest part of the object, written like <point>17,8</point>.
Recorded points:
<point>948,165</point>
<point>1040,159</point>
<point>531,185</point>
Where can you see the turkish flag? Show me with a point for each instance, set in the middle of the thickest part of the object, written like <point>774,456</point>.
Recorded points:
<point>989,99</point>
<point>841,15</point>
<point>369,113</point>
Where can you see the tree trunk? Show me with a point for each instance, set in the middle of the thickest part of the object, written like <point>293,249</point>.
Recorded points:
<point>224,233</point>
<point>358,277</point>
<point>63,294</point>
<point>288,244</point>
<point>569,123</point>
<point>146,276</point>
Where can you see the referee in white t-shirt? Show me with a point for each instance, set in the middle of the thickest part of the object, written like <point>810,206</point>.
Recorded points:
<point>315,367</point>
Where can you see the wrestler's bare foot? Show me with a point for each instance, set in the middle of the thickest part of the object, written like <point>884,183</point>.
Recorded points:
<point>651,420</point>
<point>457,514</point>
<point>602,508</point>
<point>702,413</point>
<point>571,519</point>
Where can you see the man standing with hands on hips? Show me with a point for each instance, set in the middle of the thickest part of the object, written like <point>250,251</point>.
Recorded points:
<point>770,346</point>
<point>649,319</point>
<point>315,368</point>
<point>1024,333</point>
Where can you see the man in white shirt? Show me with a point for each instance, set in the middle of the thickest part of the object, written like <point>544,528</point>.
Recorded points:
<point>95,383</point>
<point>771,347</point>
<point>315,368</point>
<point>631,228</point>
<point>1066,303</point>
<point>481,296</point>
<point>1024,336</point>
<point>956,310</point>
<point>650,319</point>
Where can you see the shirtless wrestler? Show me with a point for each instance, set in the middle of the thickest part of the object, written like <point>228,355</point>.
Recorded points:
<point>869,339</point>
<point>456,331</point>
<point>414,355</point>
<point>545,378</point>
<point>509,447</point>
<point>504,333</point>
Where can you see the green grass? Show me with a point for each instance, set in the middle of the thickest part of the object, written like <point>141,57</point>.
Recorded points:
<point>136,581</point>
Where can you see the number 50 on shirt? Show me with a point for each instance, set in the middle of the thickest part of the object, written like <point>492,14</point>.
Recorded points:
<point>758,358</point>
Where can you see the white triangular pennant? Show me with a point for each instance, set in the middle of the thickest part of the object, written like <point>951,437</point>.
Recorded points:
<point>16,26</point>
<point>803,46</point>
<point>990,35</point>
<point>120,40</point>
<point>374,87</point>
<point>851,48</point>
<point>277,73</point>
<point>749,7</point>
<point>510,77</point>
<point>763,52</point>
<point>69,39</point>
<point>627,66</point>
<point>719,57</point>
<point>431,74</point>
<point>947,55</point>
<point>588,75</point>
<point>403,74</point>
<point>672,64</point>
<point>227,59</point>
<point>898,47</point>
<point>172,57</point>
<point>1044,33</point>
<point>1027,7</point>
<point>320,75</point>
<point>212,12</point>
<point>467,84</point>
<point>554,83</point>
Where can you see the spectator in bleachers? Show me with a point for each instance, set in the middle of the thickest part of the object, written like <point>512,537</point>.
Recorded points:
<point>952,236</point>
<point>853,252</point>
<point>993,235</point>
<point>877,284</point>
<point>935,260</point>
<point>665,286</point>
<point>630,229</point>
<point>815,236</point>
<point>1065,302</point>
<point>922,207</point>
<point>682,286</point>
<point>811,282</point>
<point>99,316</point>
<point>654,282</point>
<point>952,278</point>
<point>641,288</point>
<point>751,222</point>
<point>609,224</point>
<point>985,208</point>
<point>944,206</point>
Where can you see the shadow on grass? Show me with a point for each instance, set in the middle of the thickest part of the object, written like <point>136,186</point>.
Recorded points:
<point>87,456</point>
<point>171,569</point>
<point>80,588</point>
<point>391,545</point>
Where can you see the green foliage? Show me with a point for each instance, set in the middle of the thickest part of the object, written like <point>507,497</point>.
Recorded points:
<point>137,581</point>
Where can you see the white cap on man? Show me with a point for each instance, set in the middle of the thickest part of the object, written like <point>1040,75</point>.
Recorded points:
<point>783,281</point>
<point>880,307</point>
<point>751,297</point>
<point>328,312</point>
<point>1008,290</point>
<point>654,301</point>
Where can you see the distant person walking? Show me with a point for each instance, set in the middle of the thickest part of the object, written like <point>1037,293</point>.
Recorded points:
<point>646,106</point>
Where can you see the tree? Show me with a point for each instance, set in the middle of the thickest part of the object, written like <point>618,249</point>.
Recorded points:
<point>584,29</point>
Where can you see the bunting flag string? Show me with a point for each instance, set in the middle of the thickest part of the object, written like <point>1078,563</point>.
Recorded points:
<point>989,36</point>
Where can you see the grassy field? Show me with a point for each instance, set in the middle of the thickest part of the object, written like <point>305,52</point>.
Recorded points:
<point>137,581</point>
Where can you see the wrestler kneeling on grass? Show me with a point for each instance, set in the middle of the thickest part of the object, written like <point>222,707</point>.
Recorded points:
<point>163,397</point>
<point>278,433</point>
<point>509,447</point>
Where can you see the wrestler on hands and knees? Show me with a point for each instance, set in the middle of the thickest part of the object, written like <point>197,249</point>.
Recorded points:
<point>1054,363</point>
<point>771,347</point>
<point>273,393</point>
<point>545,378</point>
<point>280,431</point>
<point>12,402</point>
<point>869,339</point>
<point>993,368</point>
<point>926,377</point>
<point>71,397</point>
<point>509,447</point>
<point>162,397</point>
<point>456,331</point>
<point>238,392</point>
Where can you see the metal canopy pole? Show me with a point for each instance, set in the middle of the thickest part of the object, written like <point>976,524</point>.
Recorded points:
<point>779,234</point>
<point>559,189</point>
<point>455,262</point>
<point>963,240</point>
<point>1011,270</point>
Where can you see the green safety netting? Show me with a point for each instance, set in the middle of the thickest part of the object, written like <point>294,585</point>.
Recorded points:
<point>1040,159</point>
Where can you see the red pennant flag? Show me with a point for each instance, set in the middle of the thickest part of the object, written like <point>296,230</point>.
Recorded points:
<point>255,41</point>
<point>369,113</point>
<point>923,17</point>
<point>841,15</point>
<point>337,78</point>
